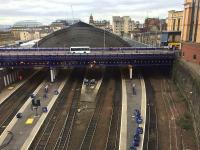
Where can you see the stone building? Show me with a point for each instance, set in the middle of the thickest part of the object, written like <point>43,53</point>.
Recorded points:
<point>6,37</point>
<point>102,24</point>
<point>175,20</point>
<point>191,21</point>
<point>29,30</point>
<point>191,31</point>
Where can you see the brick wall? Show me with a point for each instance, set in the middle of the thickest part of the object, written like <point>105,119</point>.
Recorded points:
<point>191,52</point>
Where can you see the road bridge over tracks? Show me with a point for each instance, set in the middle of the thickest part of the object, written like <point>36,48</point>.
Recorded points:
<point>62,57</point>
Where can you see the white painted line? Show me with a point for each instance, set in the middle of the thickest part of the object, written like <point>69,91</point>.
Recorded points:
<point>14,120</point>
<point>143,112</point>
<point>17,87</point>
<point>123,128</point>
<point>39,123</point>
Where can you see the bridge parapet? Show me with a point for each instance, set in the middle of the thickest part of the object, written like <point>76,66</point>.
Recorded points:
<point>92,49</point>
<point>61,59</point>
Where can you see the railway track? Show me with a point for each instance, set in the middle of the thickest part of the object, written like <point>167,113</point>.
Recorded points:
<point>104,123</point>
<point>168,108</point>
<point>10,107</point>
<point>114,132</point>
<point>177,113</point>
<point>151,133</point>
<point>63,141</point>
<point>86,107</point>
<point>171,115</point>
<point>57,127</point>
<point>179,143</point>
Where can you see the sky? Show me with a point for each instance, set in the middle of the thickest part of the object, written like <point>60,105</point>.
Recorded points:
<point>46,11</point>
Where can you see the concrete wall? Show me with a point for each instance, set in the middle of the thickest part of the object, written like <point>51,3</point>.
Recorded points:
<point>1,80</point>
<point>7,77</point>
<point>188,82</point>
<point>149,38</point>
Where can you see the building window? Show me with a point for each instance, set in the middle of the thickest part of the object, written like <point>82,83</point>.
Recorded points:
<point>183,54</point>
<point>174,24</point>
<point>178,28</point>
<point>195,56</point>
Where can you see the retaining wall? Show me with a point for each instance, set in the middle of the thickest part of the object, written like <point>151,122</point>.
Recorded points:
<point>188,82</point>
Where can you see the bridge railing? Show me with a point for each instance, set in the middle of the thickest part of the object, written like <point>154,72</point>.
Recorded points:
<point>127,48</point>
<point>88,57</point>
<point>35,49</point>
<point>92,49</point>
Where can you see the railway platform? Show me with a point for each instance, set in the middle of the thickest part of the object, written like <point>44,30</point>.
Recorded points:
<point>132,99</point>
<point>133,102</point>
<point>9,90</point>
<point>23,130</point>
<point>88,93</point>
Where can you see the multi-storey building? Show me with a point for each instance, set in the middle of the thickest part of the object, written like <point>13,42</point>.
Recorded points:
<point>103,24</point>
<point>6,37</point>
<point>123,25</point>
<point>154,24</point>
<point>191,21</point>
<point>29,30</point>
<point>175,20</point>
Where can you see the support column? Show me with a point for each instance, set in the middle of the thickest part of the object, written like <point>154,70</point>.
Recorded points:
<point>52,75</point>
<point>131,36</point>
<point>130,71</point>
<point>17,75</point>
<point>13,76</point>
<point>8,81</point>
<point>56,72</point>
<point>5,82</point>
<point>10,77</point>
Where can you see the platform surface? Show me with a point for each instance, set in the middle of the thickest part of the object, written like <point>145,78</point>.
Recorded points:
<point>23,126</point>
<point>133,102</point>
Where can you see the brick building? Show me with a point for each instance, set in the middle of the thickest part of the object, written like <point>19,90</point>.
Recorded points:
<point>102,24</point>
<point>191,52</point>
<point>154,24</point>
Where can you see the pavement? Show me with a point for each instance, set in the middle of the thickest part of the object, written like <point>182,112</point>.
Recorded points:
<point>143,111</point>
<point>9,90</point>
<point>25,129</point>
